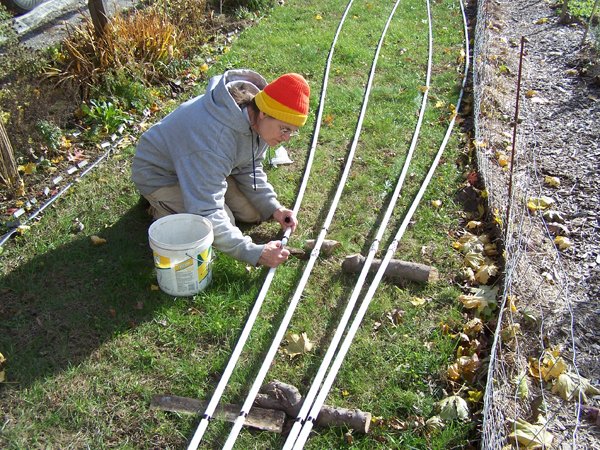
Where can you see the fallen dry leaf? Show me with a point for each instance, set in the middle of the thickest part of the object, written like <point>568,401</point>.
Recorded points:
<point>531,436</point>
<point>510,332</point>
<point>22,229</point>
<point>490,250</point>
<point>571,386</point>
<point>502,159</point>
<point>482,299</point>
<point>530,93</point>
<point>549,366</point>
<point>552,181</point>
<point>473,327</point>
<point>475,396</point>
<point>417,301</point>
<point>464,367</point>
<point>453,408</point>
<point>485,272</point>
<point>297,344</point>
<point>395,316</point>
<point>468,274</point>
<point>562,242</point>
<point>28,168</point>
<point>474,260</point>
<point>553,216</point>
<point>433,424</point>
<point>539,203</point>
<point>96,240</point>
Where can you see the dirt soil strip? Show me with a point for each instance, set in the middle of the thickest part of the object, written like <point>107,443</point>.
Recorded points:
<point>558,136</point>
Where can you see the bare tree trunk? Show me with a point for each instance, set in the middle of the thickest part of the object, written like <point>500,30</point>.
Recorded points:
<point>565,17</point>
<point>589,24</point>
<point>8,166</point>
<point>99,15</point>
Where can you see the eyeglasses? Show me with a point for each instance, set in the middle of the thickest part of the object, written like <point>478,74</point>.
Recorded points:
<point>285,131</point>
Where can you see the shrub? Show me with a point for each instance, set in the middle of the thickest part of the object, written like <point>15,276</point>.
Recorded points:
<point>132,44</point>
<point>52,136</point>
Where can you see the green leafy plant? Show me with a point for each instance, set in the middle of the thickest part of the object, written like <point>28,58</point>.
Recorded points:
<point>52,135</point>
<point>104,116</point>
<point>125,92</point>
<point>579,8</point>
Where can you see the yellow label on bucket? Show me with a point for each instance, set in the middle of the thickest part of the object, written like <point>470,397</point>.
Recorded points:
<point>162,262</point>
<point>184,264</point>
<point>203,261</point>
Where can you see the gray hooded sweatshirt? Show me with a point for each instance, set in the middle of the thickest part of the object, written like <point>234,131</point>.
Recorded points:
<point>199,145</point>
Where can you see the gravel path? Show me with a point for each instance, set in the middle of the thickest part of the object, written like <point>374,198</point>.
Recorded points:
<point>45,24</point>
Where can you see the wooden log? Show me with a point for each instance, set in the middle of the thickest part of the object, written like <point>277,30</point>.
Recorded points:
<point>260,418</point>
<point>278,395</point>
<point>397,269</point>
<point>355,419</point>
<point>297,252</point>
<point>281,396</point>
<point>327,247</point>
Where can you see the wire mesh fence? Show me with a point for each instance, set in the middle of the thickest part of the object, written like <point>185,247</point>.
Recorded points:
<point>525,344</point>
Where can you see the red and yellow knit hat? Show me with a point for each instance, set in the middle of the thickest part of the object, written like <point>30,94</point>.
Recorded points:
<point>285,99</point>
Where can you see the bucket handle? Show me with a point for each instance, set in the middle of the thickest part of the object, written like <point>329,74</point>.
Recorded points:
<point>212,253</point>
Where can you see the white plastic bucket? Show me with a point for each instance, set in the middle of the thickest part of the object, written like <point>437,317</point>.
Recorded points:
<point>182,249</point>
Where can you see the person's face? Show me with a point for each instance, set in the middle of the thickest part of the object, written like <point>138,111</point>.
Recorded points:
<point>274,131</point>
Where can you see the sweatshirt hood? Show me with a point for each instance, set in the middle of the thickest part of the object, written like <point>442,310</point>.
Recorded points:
<point>222,105</point>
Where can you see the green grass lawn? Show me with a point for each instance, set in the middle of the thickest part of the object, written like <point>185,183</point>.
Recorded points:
<point>89,341</point>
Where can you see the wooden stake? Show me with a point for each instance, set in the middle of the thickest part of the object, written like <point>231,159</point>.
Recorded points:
<point>327,247</point>
<point>285,397</point>
<point>401,270</point>
<point>260,418</point>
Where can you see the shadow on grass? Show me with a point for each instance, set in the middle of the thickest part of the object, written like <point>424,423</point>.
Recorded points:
<point>60,306</point>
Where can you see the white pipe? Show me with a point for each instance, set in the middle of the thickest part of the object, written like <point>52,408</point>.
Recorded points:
<point>214,401</point>
<point>316,384</point>
<point>233,359</point>
<point>328,383</point>
<point>239,422</point>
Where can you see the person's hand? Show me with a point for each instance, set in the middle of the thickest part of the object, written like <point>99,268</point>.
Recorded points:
<point>273,254</point>
<point>286,218</point>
